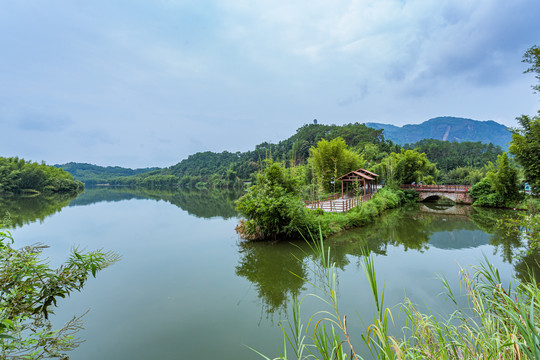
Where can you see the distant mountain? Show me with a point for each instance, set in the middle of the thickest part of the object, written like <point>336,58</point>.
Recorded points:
<point>447,128</point>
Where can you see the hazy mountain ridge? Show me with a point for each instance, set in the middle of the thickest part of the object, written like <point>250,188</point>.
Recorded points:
<point>447,128</point>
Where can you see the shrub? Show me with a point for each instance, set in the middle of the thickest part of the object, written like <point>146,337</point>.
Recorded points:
<point>272,207</point>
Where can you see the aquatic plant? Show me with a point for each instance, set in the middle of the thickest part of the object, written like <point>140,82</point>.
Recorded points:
<point>501,322</point>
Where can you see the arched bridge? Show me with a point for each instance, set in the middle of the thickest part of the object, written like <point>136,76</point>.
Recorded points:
<point>457,193</point>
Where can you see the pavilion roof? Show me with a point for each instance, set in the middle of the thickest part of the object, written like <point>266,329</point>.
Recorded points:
<point>356,174</point>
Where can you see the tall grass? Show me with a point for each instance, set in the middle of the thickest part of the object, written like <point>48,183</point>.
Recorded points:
<point>501,322</point>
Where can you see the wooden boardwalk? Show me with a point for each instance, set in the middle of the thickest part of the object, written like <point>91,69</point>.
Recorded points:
<point>337,204</point>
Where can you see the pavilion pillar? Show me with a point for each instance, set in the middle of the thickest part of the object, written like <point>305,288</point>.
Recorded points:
<point>364,186</point>
<point>341,188</point>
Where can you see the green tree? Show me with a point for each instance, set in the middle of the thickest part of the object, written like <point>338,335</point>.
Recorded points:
<point>532,57</point>
<point>525,146</point>
<point>272,207</point>
<point>331,159</point>
<point>450,155</point>
<point>406,167</point>
<point>462,176</point>
<point>18,175</point>
<point>500,187</point>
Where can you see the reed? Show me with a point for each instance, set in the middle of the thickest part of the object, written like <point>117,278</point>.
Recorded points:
<point>499,322</point>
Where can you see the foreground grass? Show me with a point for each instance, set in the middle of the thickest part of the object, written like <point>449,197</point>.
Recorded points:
<point>502,323</point>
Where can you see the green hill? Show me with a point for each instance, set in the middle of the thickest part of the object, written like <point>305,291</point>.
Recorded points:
<point>228,169</point>
<point>448,129</point>
<point>93,174</point>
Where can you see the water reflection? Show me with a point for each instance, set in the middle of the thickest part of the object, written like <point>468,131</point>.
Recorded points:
<point>203,204</point>
<point>24,210</point>
<point>275,270</point>
<point>527,266</point>
<point>415,228</point>
<point>200,203</point>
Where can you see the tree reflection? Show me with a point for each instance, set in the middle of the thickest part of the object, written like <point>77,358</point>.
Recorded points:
<point>276,270</point>
<point>401,227</point>
<point>269,266</point>
<point>508,244</point>
<point>527,267</point>
<point>28,209</point>
<point>200,203</point>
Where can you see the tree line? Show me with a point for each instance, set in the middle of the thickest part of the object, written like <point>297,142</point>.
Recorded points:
<point>19,175</point>
<point>459,162</point>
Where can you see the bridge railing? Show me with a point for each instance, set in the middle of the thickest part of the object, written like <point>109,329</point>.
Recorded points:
<point>438,188</point>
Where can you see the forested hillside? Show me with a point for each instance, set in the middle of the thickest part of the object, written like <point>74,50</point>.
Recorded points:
<point>449,129</point>
<point>459,162</point>
<point>230,169</point>
<point>18,175</point>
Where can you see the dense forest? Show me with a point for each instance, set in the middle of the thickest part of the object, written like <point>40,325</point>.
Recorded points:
<point>19,175</point>
<point>451,155</point>
<point>226,169</point>
<point>457,162</point>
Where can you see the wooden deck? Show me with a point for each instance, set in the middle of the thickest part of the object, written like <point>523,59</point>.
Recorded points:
<point>337,204</point>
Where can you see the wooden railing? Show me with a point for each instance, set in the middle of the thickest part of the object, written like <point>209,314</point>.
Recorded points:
<point>326,198</point>
<point>438,188</point>
<point>337,205</point>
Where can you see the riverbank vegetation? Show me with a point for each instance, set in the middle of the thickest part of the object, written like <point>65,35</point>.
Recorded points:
<point>22,176</point>
<point>273,208</point>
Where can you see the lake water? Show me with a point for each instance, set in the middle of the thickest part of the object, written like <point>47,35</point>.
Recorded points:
<point>188,288</point>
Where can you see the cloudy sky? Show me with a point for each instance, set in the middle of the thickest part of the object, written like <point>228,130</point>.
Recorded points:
<point>146,83</point>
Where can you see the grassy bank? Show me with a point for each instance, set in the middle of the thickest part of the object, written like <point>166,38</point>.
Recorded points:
<point>363,214</point>
<point>273,210</point>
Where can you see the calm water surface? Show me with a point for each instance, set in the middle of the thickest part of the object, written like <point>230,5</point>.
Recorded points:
<point>188,288</point>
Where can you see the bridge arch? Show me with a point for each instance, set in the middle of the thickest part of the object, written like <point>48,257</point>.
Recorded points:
<point>457,193</point>
<point>429,197</point>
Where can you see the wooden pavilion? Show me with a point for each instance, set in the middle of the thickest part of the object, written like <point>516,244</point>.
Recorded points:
<point>367,179</point>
